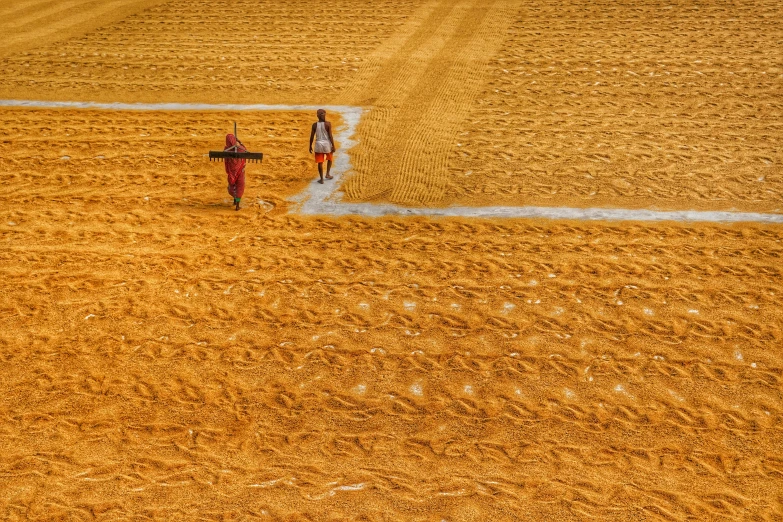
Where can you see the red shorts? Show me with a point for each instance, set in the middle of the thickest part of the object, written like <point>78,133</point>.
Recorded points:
<point>319,156</point>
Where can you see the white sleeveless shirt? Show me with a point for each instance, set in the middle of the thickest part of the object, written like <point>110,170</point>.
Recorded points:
<point>322,143</point>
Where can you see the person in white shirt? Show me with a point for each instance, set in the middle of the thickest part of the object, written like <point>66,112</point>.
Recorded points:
<point>324,144</point>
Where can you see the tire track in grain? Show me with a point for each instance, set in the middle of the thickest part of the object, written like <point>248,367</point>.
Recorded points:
<point>393,83</point>
<point>424,163</point>
<point>418,92</point>
<point>375,70</point>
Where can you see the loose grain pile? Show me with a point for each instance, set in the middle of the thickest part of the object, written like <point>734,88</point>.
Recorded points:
<point>167,358</point>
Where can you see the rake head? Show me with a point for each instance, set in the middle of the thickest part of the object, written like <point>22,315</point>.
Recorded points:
<point>220,155</point>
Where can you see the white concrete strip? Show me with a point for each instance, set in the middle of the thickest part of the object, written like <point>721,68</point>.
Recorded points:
<point>326,199</point>
<point>337,208</point>
<point>171,106</point>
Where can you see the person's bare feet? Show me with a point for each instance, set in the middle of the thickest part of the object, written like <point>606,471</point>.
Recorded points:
<point>328,176</point>
<point>237,205</point>
<point>321,181</point>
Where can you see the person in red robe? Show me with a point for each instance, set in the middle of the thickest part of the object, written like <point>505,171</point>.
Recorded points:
<point>235,169</point>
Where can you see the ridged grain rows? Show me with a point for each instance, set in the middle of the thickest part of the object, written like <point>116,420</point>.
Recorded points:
<point>167,358</point>
<point>569,104</point>
<point>473,103</point>
<point>258,52</point>
<point>423,95</point>
<point>95,156</point>
<point>28,24</point>
<point>628,105</point>
<point>180,362</point>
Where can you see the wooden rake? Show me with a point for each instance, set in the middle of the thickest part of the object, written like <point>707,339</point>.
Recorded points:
<point>220,155</point>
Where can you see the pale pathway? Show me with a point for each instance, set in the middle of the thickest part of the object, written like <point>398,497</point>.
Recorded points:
<point>327,199</point>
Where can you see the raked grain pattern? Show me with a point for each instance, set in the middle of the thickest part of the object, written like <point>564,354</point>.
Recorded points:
<point>29,24</point>
<point>202,50</point>
<point>167,358</point>
<point>175,360</point>
<point>616,105</point>
<point>630,105</point>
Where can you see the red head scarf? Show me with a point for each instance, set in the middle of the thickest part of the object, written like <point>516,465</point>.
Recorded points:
<point>234,166</point>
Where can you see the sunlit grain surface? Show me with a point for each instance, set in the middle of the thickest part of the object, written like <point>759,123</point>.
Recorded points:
<point>167,358</point>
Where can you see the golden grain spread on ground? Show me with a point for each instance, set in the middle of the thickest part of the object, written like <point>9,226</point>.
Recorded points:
<point>167,358</point>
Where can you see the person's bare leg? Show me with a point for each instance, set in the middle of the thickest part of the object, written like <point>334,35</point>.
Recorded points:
<point>328,169</point>
<point>321,173</point>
